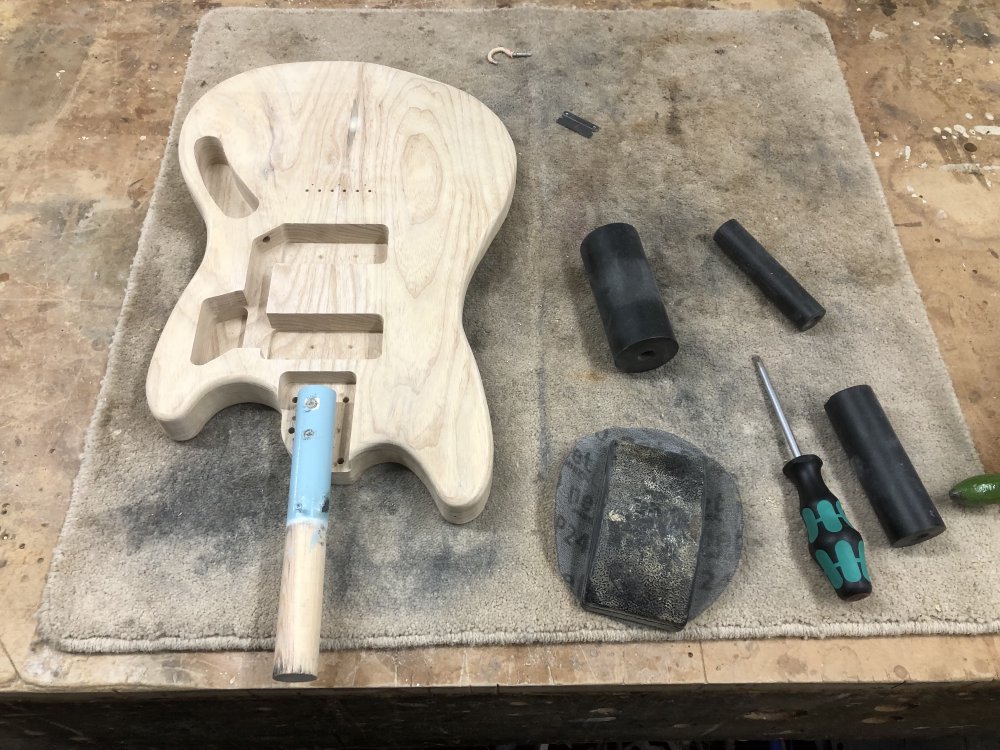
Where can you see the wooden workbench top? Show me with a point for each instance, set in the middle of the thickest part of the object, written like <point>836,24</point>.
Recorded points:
<point>85,112</point>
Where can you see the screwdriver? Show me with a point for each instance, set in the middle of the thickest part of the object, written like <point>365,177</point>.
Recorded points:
<point>834,544</point>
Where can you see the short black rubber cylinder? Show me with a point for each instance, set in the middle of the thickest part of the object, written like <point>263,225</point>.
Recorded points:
<point>769,275</point>
<point>905,510</point>
<point>632,310</point>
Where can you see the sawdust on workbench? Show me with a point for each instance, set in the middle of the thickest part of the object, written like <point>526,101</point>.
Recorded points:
<point>705,116</point>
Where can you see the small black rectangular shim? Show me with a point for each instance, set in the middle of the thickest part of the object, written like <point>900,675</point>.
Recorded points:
<point>577,124</point>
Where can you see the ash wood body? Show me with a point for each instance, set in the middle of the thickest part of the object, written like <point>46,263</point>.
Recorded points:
<point>347,206</point>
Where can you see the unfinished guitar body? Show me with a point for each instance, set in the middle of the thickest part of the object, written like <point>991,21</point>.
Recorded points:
<point>347,206</point>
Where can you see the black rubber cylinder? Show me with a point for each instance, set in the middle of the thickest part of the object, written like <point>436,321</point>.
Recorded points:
<point>769,275</point>
<point>901,502</point>
<point>635,320</point>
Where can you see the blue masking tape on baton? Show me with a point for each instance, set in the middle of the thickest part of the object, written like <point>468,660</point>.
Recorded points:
<point>312,455</point>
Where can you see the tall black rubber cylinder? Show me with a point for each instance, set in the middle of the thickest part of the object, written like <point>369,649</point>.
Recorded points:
<point>901,502</point>
<point>769,275</point>
<point>635,320</point>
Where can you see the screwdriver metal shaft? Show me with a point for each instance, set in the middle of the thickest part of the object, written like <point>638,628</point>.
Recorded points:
<point>772,394</point>
<point>834,544</point>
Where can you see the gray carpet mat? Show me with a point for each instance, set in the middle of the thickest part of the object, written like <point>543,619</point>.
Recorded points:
<point>704,115</point>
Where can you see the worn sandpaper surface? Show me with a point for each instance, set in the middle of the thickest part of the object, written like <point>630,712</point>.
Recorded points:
<point>646,526</point>
<point>704,115</point>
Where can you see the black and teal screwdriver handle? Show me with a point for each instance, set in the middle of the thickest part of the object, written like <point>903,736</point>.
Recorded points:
<point>834,544</point>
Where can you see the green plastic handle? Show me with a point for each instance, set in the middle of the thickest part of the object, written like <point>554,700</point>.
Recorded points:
<point>834,543</point>
<point>983,489</point>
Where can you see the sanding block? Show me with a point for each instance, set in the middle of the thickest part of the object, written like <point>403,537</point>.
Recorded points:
<point>649,529</point>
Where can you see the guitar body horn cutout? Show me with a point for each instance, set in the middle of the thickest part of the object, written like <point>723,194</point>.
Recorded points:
<point>347,206</point>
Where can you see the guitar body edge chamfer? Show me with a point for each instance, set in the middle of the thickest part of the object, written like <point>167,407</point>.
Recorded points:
<point>347,206</point>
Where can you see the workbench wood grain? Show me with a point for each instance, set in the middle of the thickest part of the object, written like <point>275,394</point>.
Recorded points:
<point>72,218</point>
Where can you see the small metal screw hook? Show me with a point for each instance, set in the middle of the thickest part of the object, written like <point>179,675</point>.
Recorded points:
<point>504,51</point>
<point>311,403</point>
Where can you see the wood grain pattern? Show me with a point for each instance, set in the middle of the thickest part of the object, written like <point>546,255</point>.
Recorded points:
<point>925,671</point>
<point>347,206</point>
<point>300,608</point>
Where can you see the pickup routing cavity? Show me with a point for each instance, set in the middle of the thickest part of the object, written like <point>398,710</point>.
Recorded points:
<point>312,292</point>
